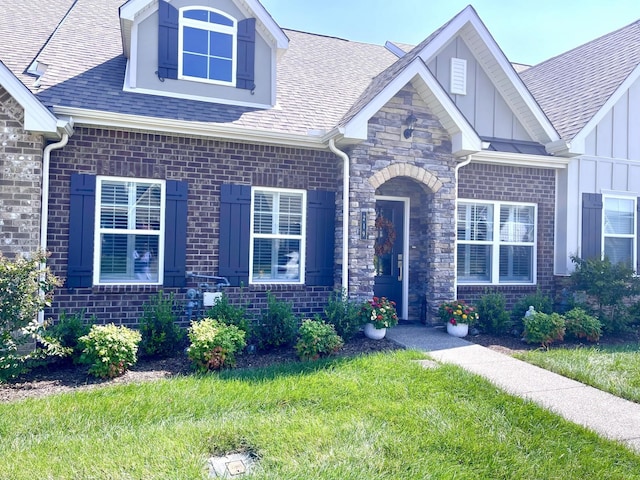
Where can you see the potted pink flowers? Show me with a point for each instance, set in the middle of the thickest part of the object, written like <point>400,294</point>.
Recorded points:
<point>458,316</point>
<point>377,315</point>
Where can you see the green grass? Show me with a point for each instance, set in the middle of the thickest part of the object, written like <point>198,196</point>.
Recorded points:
<point>613,369</point>
<point>376,417</point>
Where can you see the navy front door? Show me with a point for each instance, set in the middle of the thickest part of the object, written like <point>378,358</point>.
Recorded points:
<point>388,251</point>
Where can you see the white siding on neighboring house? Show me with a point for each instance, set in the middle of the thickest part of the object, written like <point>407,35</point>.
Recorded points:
<point>617,135</point>
<point>483,106</point>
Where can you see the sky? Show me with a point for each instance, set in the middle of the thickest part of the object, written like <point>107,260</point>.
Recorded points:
<point>527,31</point>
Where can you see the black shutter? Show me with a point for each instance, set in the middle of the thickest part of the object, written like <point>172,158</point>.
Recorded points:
<point>167,41</point>
<point>82,212</point>
<point>591,225</point>
<point>175,234</point>
<point>245,72</point>
<point>235,221</point>
<point>320,256</point>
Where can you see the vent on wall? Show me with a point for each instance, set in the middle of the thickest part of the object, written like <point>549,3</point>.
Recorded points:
<point>458,76</point>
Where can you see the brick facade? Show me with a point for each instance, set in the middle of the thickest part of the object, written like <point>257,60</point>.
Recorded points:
<point>515,184</point>
<point>20,172</point>
<point>205,164</point>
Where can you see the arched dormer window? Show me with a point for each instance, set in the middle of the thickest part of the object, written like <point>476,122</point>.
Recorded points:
<point>207,45</point>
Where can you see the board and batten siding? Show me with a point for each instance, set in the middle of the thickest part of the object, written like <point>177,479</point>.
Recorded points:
<point>483,106</point>
<point>616,135</point>
<point>587,174</point>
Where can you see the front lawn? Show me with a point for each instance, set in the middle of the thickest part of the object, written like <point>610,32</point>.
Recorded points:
<point>373,417</point>
<point>613,369</point>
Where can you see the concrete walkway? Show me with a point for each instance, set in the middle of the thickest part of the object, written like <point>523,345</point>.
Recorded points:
<point>610,416</point>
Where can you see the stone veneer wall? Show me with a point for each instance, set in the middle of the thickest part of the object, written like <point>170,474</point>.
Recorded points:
<point>20,177</point>
<point>422,168</point>
<point>205,164</point>
<point>516,184</point>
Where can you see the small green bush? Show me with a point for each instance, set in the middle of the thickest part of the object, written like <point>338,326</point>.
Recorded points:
<point>110,350</point>
<point>579,324</point>
<point>214,344</point>
<point>317,339</point>
<point>161,336</point>
<point>68,330</point>
<point>540,302</point>
<point>229,314</point>
<point>343,315</point>
<point>544,328</point>
<point>277,326</point>
<point>493,314</point>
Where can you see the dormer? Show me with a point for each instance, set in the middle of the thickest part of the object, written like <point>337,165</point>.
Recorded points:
<point>219,51</point>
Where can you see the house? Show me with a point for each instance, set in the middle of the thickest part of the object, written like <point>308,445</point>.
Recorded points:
<point>146,139</point>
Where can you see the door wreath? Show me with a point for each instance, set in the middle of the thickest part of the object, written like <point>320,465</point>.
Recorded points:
<point>384,226</point>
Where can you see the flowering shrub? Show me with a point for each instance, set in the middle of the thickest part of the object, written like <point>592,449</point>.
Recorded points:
<point>109,349</point>
<point>213,344</point>
<point>457,312</point>
<point>317,339</point>
<point>380,311</point>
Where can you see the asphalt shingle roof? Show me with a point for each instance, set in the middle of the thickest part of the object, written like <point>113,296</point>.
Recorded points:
<point>572,87</point>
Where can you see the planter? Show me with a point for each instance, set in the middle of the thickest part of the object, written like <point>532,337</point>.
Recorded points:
<point>374,333</point>
<point>459,330</point>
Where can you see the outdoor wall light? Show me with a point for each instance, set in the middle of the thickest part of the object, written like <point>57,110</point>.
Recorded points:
<point>411,123</point>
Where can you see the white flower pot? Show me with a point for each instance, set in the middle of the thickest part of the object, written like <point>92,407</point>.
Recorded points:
<point>374,333</point>
<point>459,330</point>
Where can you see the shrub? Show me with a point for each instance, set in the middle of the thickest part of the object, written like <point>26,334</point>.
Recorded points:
<point>540,302</point>
<point>609,286</point>
<point>229,314</point>
<point>579,324</point>
<point>277,326</point>
<point>492,313</point>
<point>343,315</point>
<point>109,350</point>
<point>25,289</point>
<point>544,328</point>
<point>214,344</point>
<point>68,330</point>
<point>161,336</point>
<point>317,339</point>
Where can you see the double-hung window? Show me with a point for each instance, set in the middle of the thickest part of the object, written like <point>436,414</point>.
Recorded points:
<point>496,242</point>
<point>129,235</point>
<point>277,248</point>
<point>619,229</point>
<point>207,44</point>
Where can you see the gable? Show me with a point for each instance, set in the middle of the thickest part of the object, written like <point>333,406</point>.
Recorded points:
<point>203,50</point>
<point>482,104</point>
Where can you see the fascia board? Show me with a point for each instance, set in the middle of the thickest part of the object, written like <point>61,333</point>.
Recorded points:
<point>37,118</point>
<point>282,41</point>
<point>96,118</point>
<point>129,10</point>
<point>520,160</point>
<point>578,142</point>
<point>357,127</point>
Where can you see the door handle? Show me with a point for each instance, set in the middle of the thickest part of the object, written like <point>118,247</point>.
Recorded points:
<point>399,267</point>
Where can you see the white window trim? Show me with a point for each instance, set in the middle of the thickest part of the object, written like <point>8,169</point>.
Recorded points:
<point>302,237</point>
<point>496,243</point>
<point>98,230</point>
<point>633,236</point>
<point>212,27</point>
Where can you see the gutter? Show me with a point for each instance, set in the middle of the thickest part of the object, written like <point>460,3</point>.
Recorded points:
<point>345,213</point>
<point>464,163</point>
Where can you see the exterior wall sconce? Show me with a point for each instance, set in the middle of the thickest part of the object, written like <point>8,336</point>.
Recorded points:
<point>411,123</point>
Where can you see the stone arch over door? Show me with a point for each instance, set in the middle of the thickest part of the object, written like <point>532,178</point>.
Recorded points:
<point>421,175</point>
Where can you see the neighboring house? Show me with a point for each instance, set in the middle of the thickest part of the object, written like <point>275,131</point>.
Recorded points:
<point>198,136</point>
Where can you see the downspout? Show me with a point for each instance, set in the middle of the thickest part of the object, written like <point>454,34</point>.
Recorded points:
<point>345,213</point>
<point>464,163</point>
<point>44,213</point>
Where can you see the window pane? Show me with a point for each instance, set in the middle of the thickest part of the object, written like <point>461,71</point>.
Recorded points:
<point>474,263</point>
<point>194,65</point>
<point>129,258</point>
<point>290,218</point>
<point>619,216</point>
<point>220,45</point>
<point>220,70</point>
<point>194,40</point>
<point>202,15</point>
<point>516,223</point>
<point>619,250</point>
<point>475,222</point>
<point>516,263</point>
<point>220,19</point>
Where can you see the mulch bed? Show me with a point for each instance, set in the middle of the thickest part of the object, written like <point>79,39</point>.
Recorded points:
<point>53,379</point>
